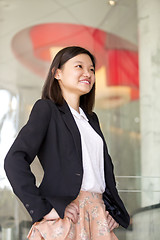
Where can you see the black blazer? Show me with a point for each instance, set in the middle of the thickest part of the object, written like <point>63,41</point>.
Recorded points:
<point>52,134</point>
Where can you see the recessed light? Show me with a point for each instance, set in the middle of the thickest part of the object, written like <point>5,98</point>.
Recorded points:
<point>112,2</point>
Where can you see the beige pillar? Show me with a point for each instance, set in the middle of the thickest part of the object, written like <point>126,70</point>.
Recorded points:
<point>149,62</point>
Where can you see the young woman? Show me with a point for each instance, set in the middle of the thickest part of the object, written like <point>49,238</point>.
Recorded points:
<point>77,198</point>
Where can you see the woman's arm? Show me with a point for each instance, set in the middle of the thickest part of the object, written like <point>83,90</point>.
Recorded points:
<point>21,155</point>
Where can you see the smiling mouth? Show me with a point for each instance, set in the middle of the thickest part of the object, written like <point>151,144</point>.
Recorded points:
<point>86,82</point>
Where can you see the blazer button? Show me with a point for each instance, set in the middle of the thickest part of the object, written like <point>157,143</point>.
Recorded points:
<point>27,205</point>
<point>78,174</point>
<point>31,211</point>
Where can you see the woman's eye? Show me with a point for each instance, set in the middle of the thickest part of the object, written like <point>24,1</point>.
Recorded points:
<point>79,66</point>
<point>92,69</point>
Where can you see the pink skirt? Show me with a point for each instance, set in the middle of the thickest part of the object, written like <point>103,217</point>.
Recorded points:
<point>92,223</point>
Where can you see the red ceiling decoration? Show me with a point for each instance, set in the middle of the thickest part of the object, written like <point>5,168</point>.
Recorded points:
<point>121,63</point>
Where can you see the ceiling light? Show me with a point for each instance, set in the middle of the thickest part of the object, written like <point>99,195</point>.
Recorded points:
<point>112,2</point>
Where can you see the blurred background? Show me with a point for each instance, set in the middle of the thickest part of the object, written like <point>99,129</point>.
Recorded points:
<point>124,35</point>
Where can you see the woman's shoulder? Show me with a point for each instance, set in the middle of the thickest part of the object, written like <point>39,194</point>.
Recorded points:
<point>43,107</point>
<point>95,118</point>
<point>44,103</point>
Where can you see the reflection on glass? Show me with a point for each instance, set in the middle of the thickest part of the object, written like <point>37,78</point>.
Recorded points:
<point>8,127</point>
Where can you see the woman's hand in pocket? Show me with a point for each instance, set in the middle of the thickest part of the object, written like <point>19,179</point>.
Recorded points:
<point>52,215</point>
<point>72,212</point>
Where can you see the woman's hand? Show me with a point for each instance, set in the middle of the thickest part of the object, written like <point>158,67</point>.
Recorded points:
<point>111,222</point>
<point>52,215</point>
<point>72,212</point>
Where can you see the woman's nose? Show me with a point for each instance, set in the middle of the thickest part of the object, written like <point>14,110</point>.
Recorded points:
<point>87,73</point>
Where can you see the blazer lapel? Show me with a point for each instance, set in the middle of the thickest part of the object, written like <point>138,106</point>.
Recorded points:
<point>72,126</point>
<point>96,127</point>
<point>94,124</point>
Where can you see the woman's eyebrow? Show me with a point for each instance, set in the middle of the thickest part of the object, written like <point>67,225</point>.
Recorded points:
<point>83,62</point>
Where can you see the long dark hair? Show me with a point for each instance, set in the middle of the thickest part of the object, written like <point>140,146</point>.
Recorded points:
<point>51,89</point>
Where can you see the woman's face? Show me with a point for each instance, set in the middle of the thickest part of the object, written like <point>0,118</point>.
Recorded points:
<point>77,75</point>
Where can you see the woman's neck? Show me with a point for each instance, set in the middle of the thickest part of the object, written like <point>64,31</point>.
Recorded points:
<point>72,101</point>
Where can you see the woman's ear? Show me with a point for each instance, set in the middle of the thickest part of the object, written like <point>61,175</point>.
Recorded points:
<point>57,74</point>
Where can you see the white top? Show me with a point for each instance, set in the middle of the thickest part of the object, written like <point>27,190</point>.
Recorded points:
<point>92,154</point>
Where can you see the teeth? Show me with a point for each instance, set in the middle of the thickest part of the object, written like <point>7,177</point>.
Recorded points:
<point>85,81</point>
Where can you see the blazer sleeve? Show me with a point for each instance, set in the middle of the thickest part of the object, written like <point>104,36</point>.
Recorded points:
<point>21,155</point>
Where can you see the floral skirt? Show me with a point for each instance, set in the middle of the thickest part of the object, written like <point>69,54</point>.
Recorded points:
<point>92,223</point>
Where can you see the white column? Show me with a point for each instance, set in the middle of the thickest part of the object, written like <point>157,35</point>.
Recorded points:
<point>149,63</point>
